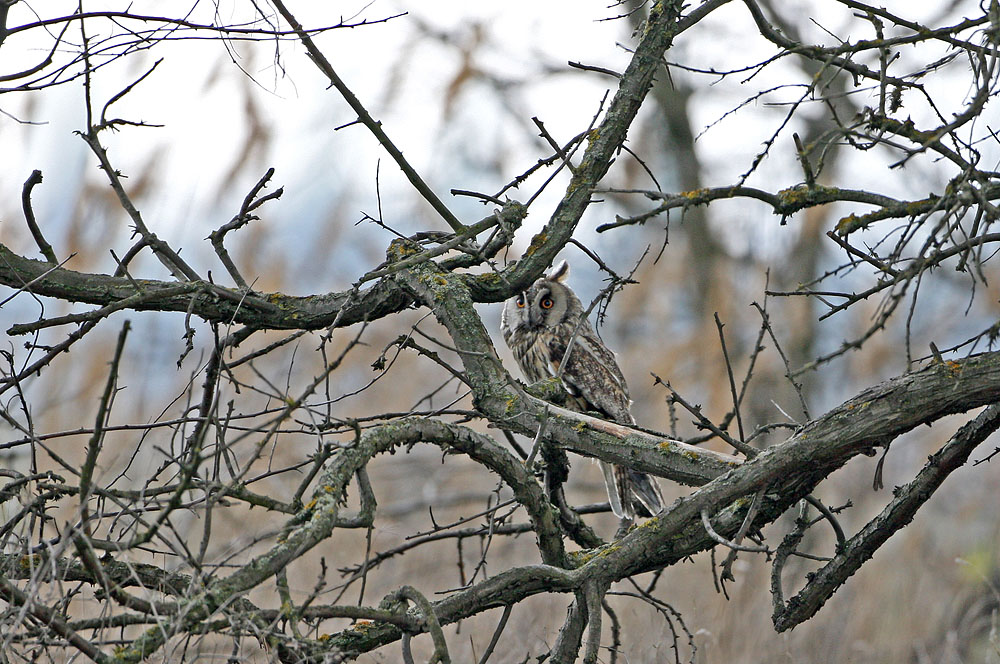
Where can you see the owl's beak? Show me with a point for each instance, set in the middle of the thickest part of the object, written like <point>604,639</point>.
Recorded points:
<point>534,318</point>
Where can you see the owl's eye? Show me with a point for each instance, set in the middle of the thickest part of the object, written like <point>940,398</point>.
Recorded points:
<point>546,303</point>
<point>520,301</point>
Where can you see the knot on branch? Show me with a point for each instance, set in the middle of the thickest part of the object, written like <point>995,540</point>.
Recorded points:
<point>803,196</point>
<point>549,389</point>
<point>401,248</point>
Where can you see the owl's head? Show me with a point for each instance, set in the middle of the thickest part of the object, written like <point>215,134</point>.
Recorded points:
<point>546,304</point>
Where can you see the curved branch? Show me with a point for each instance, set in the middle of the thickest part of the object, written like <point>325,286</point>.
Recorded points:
<point>785,202</point>
<point>897,514</point>
<point>259,311</point>
<point>726,543</point>
<point>318,521</point>
<point>411,594</point>
<point>790,471</point>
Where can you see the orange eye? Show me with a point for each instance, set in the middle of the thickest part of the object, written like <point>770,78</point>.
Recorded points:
<point>546,303</point>
<point>520,302</point>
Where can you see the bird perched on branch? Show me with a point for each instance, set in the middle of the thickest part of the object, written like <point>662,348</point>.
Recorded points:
<point>547,329</point>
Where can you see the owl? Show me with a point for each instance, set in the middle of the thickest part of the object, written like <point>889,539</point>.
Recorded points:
<point>544,324</point>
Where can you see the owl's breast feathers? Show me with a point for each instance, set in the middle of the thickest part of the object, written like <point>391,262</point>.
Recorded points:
<point>590,376</point>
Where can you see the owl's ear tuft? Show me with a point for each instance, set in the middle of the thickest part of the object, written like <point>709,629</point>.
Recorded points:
<point>559,272</point>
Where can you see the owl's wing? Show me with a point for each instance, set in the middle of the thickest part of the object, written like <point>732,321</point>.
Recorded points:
<point>592,373</point>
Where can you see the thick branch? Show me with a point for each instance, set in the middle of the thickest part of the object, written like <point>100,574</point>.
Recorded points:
<point>501,400</point>
<point>897,514</point>
<point>789,471</point>
<point>269,311</point>
<point>318,521</point>
<point>273,311</point>
<point>604,142</point>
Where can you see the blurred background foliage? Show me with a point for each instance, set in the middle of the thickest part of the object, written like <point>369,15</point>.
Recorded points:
<point>455,84</point>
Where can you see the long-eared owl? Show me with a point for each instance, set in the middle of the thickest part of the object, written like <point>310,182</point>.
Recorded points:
<point>542,325</point>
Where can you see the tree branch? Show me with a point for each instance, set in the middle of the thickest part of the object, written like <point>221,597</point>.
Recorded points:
<point>897,514</point>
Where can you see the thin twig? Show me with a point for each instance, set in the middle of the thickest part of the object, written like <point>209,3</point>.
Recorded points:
<point>29,216</point>
<point>496,633</point>
<point>374,126</point>
<point>732,381</point>
<point>723,541</point>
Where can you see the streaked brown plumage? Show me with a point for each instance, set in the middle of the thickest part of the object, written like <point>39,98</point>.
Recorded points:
<point>540,326</point>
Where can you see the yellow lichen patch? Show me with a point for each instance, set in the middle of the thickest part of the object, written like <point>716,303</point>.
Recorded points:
<point>536,243</point>
<point>794,196</point>
<point>311,504</point>
<point>846,223</point>
<point>581,558</point>
<point>603,552</point>
<point>696,195</point>
<point>510,404</point>
<point>362,625</point>
<point>399,249</point>
<point>954,367</point>
<point>857,406</point>
<point>649,523</point>
<point>31,562</point>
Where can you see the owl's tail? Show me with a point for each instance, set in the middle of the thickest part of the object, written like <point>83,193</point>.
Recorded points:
<point>646,491</point>
<point>611,475</point>
<point>629,491</point>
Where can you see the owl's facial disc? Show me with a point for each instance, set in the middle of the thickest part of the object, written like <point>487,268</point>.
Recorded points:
<point>538,308</point>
